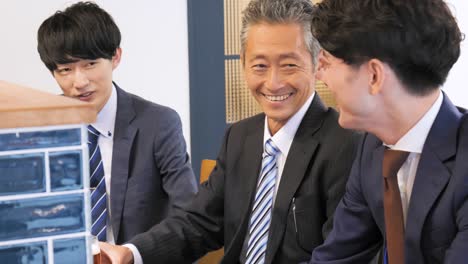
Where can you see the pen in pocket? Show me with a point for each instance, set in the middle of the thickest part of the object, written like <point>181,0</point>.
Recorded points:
<point>294,212</point>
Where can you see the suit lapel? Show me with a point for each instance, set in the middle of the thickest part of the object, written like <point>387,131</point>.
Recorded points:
<point>124,134</point>
<point>432,175</point>
<point>295,168</point>
<point>249,168</point>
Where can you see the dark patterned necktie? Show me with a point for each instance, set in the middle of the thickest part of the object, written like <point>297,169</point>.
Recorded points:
<point>98,186</point>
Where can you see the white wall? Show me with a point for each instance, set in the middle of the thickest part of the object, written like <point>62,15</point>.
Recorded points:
<point>155,49</point>
<point>154,43</point>
<point>457,81</point>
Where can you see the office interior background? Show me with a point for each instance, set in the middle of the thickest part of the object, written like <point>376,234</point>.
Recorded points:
<point>179,53</point>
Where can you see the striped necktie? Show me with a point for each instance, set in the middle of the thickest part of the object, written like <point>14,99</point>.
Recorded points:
<point>98,186</point>
<point>260,218</point>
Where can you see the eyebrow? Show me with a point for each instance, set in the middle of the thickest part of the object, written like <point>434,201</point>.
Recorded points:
<point>62,66</point>
<point>65,63</point>
<point>257,57</point>
<point>290,55</point>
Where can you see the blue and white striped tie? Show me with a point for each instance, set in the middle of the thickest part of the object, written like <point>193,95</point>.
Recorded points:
<point>261,212</point>
<point>98,185</point>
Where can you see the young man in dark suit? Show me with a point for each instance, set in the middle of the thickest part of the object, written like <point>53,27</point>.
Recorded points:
<point>279,174</point>
<point>140,170</point>
<point>386,62</point>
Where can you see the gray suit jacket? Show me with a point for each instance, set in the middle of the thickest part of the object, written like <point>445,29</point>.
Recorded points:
<point>315,174</point>
<point>151,172</point>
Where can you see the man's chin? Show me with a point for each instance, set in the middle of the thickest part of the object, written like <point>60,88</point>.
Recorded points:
<point>345,122</point>
<point>277,115</point>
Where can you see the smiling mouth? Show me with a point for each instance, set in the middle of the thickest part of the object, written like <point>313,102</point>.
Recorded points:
<point>277,98</point>
<point>85,95</point>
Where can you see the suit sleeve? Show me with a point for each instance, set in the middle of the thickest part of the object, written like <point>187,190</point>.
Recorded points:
<point>456,253</point>
<point>172,160</point>
<point>335,179</point>
<point>197,229</point>
<point>355,238</point>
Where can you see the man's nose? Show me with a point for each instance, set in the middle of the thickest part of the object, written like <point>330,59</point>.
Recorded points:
<point>81,79</point>
<point>274,81</point>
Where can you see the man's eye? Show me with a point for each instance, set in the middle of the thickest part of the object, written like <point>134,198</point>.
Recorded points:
<point>290,65</point>
<point>259,66</point>
<point>63,70</point>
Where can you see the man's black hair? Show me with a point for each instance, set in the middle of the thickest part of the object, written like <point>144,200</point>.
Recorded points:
<point>81,31</point>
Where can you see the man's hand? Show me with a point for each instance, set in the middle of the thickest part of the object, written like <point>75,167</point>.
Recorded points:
<point>111,254</point>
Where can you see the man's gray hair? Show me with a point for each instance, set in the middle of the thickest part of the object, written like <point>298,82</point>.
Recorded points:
<point>280,12</point>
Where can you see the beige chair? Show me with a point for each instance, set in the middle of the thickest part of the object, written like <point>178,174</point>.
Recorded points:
<point>212,257</point>
<point>207,166</point>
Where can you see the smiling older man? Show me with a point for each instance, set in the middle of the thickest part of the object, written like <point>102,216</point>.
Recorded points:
<point>279,174</point>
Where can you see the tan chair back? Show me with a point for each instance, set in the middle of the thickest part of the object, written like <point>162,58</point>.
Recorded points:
<point>207,166</point>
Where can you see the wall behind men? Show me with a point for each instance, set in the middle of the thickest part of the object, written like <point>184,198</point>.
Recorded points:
<point>155,49</point>
<point>154,42</point>
<point>457,82</point>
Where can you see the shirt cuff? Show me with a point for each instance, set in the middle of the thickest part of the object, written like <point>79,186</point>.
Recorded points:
<point>137,259</point>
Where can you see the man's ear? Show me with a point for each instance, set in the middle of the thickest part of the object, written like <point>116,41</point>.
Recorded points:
<point>116,58</point>
<point>376,69</point>
<point>322,65</point>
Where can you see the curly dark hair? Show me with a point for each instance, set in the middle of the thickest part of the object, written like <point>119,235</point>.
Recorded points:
<point>418,39</point>
<point>81,31</point>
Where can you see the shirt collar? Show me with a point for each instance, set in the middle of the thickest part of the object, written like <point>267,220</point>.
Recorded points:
<point>106,117</point>
<point>413,141</point>
<point>284,137</point>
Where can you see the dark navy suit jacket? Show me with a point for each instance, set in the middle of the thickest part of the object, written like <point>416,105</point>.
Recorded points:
<point>437,220</point>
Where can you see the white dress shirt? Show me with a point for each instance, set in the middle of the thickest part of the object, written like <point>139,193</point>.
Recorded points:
<point>413,142</point>
<point>105,125</point>
<point>282,139</point>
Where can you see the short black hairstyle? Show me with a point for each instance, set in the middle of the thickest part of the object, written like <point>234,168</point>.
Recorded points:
<point>418,39</point>
<point>81,31</point>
